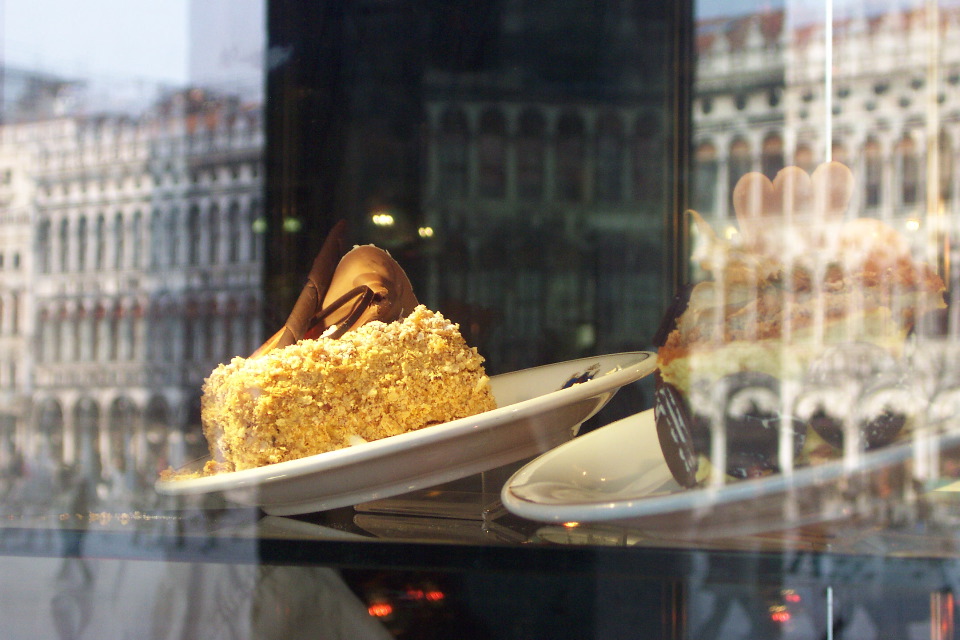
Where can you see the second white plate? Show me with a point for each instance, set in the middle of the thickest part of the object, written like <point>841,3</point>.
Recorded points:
<point>617,474</point>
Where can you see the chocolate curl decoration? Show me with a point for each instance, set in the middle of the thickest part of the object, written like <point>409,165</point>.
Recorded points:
<point>366,284</point>
<point>375,284</point>
<point>313,292</point>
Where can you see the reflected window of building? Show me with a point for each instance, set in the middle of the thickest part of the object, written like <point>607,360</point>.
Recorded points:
<point>15,313</point>
<point>100,337</point>
<point>705,171</point>
<point>227,334</point>
<point>530,155</point>
<point>251,233</point>
<point>235,233</point>
<point>171,238</point>
<point>191,437</point>
<point>191,330</point>
<point>492,154</point>
<point>62,339</point>
<point>46,335</point>
<point>235,327</point>
<point>452,154</point>
<point>43,246</point>
<point>838,152</point>
<point>193,235</point>
<point>216,234</point>
<point>9,457</point>
<point>136,241</point>
<point>208,322</point>
<point>137,316</point>
<point>803,157</point>
<point>156,246</point>
<point>739,164</point>
<point>570,155</point>
<point>160,332</point>
<point>946,164</point>
<point>152,331</point>
<point>75,344</point>
<point>872,174</point>
<point>85,333</point>
<point>909,170</point>
<point>648,163</point>
<point>119,241</point>
<point>82,243</point>
<point>609,158</point>
<point>172,330</point>
<point>100,242</point>
<point>156,426</point>
<point>122,424</point>
<point>113,324</point>
<point>86,420</point>
<point>126,337</point>
<point>771,155</point>
<point>50,431</point>
<point>64,238</point>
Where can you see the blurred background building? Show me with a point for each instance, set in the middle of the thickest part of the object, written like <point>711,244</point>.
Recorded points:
<point>891,110</point>
<point>131,261</point>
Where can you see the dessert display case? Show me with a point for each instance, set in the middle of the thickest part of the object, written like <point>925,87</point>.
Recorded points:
<point>706,250</point>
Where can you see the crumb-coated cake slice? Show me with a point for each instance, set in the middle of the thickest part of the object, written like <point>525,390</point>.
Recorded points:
<point>318,395</point>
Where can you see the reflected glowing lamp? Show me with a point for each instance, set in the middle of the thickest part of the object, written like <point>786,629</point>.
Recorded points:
<point>382,219</point>
<point>380,609</point>
<point>780,616</point>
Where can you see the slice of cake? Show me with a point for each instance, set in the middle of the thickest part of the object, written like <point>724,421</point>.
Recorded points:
<point>317,395</point>
<point>795,338</point>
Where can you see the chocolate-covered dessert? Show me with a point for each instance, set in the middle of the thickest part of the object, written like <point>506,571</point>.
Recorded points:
<point>791,346</point>
<point>358,359</point>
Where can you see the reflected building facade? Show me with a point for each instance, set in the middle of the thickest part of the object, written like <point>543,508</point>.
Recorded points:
<point>891,110</point>
<point>546,183</point>
<point>133,266</point>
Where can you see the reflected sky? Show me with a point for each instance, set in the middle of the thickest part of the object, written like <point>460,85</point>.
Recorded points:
<point>83,40</point>
<point>120,55</point>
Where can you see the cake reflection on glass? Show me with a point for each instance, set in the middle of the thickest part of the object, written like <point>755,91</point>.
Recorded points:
<point>792,349</point>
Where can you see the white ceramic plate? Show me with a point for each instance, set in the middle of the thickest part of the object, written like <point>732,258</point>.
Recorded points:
<point>535,413</point>
<point>617,474</point>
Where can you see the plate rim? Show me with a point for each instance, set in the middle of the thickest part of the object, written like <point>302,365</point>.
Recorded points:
<point>637,507</point>
<point>642,366</point>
